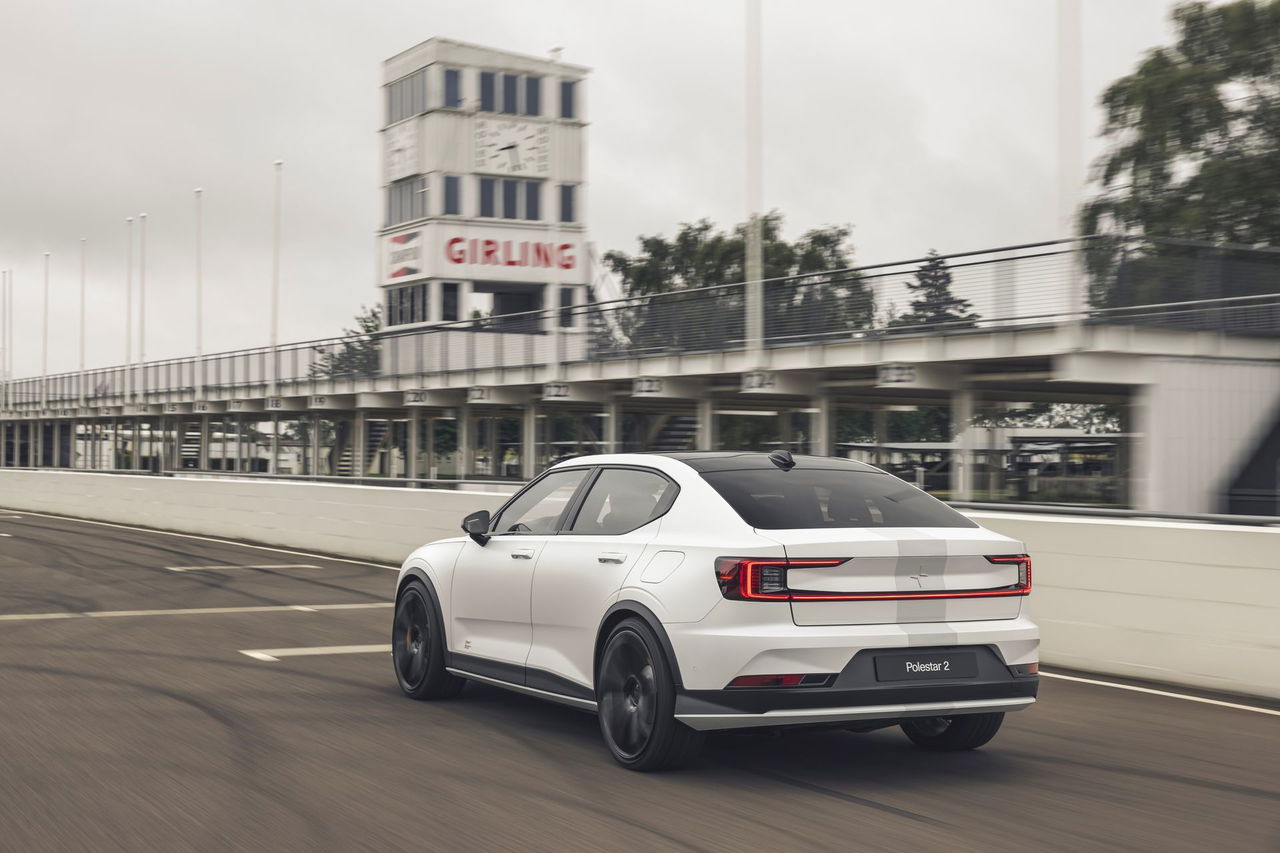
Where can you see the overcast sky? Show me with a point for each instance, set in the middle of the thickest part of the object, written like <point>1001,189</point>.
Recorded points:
<point>921,124</point>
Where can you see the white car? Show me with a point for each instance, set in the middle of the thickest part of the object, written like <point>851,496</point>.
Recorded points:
<point>682,593</point>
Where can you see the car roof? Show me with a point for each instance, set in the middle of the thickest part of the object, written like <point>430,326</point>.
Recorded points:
<point>725,460</point>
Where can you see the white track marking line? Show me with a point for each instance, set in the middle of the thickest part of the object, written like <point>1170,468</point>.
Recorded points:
<point>220,568</point>
<point>308,651</point>
<point>7,535</point>
<point>193,611</point>
<point>214,539</point>
<point>1154,692</point>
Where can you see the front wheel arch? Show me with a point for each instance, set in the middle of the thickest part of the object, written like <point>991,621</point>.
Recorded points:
<point>416,574</point>
<point>615,614</point>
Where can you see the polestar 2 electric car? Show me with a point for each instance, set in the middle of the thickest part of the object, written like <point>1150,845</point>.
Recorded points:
<point>682,593</point>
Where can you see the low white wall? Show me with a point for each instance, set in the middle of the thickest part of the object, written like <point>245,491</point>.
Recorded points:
<point>363,522</point>
<point>1190,604</point>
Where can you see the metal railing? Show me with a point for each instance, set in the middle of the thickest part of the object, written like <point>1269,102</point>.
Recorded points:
<point>1168,284</point>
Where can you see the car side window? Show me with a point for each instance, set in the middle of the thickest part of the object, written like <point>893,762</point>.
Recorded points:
<point>538,508</point>
<point>622,499</point>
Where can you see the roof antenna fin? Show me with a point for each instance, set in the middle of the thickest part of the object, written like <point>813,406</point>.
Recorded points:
<point>783,459</point>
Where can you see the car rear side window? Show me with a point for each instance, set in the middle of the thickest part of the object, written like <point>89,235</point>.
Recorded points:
<point>538,508</point>
<point>773,499</point>
<point>622,499</point>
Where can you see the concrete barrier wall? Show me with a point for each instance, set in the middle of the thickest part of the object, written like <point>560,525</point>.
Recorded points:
<point>1189,604</point>
<point>363,522</point>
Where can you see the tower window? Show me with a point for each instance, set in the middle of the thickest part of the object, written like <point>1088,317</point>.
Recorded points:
<point>452,87</point>
<point>568,97</point>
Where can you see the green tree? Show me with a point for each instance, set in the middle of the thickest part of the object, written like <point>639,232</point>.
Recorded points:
<point>1195,133</point>
<point>357,354</point>
<point>697,278</point>
<point>932,302</point>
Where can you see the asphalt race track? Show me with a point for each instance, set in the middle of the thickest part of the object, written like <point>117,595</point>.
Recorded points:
<point>132,721</point>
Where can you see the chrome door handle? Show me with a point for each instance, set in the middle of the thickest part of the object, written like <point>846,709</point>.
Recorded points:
<point>522,554</point>
<point>611,557</point>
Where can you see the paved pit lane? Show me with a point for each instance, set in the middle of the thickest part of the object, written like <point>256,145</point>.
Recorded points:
<point>135,719</point>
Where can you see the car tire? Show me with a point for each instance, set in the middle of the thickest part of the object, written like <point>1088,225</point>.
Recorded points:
<point>951,734</point>
<point>636,697</point>
<point>417,647</point>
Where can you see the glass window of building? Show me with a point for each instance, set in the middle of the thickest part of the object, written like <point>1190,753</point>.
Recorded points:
<point>567,211</point>
<point>567,92</point>
<point>406,200</point>
<point>449,301</point>
<point>566,307</point>
<point>488,92</point>
<point>407,96</point>
<point>532,199</point>
<point>452,88</point>
<point>487,207</point>
<point>452,194</point>
<point>407,304</point>
<point>533,95</point>
<point>510,194</point>
<point>510,93</point>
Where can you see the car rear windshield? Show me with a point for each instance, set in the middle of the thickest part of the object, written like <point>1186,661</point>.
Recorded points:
<point>773,499</point>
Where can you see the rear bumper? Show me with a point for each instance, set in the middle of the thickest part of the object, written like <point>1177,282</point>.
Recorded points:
<point>856,694</point>
<point>757,638</point>
<point>855,713</point>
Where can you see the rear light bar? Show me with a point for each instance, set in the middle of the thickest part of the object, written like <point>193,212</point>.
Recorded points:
<point>752,579</point>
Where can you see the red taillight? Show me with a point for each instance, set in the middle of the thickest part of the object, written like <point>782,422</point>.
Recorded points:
<point>748,579</point>
<point>1024,571</point>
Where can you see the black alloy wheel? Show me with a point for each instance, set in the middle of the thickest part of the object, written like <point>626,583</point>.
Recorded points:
<point>635,695</point>
<point>417,647</point>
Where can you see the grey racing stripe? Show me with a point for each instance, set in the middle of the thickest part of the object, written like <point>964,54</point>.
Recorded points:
<point>921,564</point>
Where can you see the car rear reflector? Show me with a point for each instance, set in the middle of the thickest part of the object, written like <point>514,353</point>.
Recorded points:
<point>754,579</point>
<point>797,680</point>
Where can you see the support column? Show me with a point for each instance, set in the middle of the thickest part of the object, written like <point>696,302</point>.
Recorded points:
<point>880,427</point>
<point>275,443</point>
<point>613,426</point>
<point>202,459</point>
<point>314,450</point>
<point>962,408</point>
<point>707,437</point>
<point>529,442</point>
<point>465,461</point>
<point>824,427</point>
<point>433,467</point>
<point>411,464</point>
<point>358,445</point>
<point>135,458</point>
<point>36,442</point>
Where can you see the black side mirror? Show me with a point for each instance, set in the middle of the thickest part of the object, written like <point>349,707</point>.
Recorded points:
<point>476,526</point>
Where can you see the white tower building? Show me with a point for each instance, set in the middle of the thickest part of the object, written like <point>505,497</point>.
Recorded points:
<point>484,168</point>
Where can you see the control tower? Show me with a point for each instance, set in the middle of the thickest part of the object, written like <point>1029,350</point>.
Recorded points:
<point>483,174</point>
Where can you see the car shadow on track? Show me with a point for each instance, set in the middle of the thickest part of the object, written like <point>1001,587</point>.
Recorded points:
<point>834,755</point>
